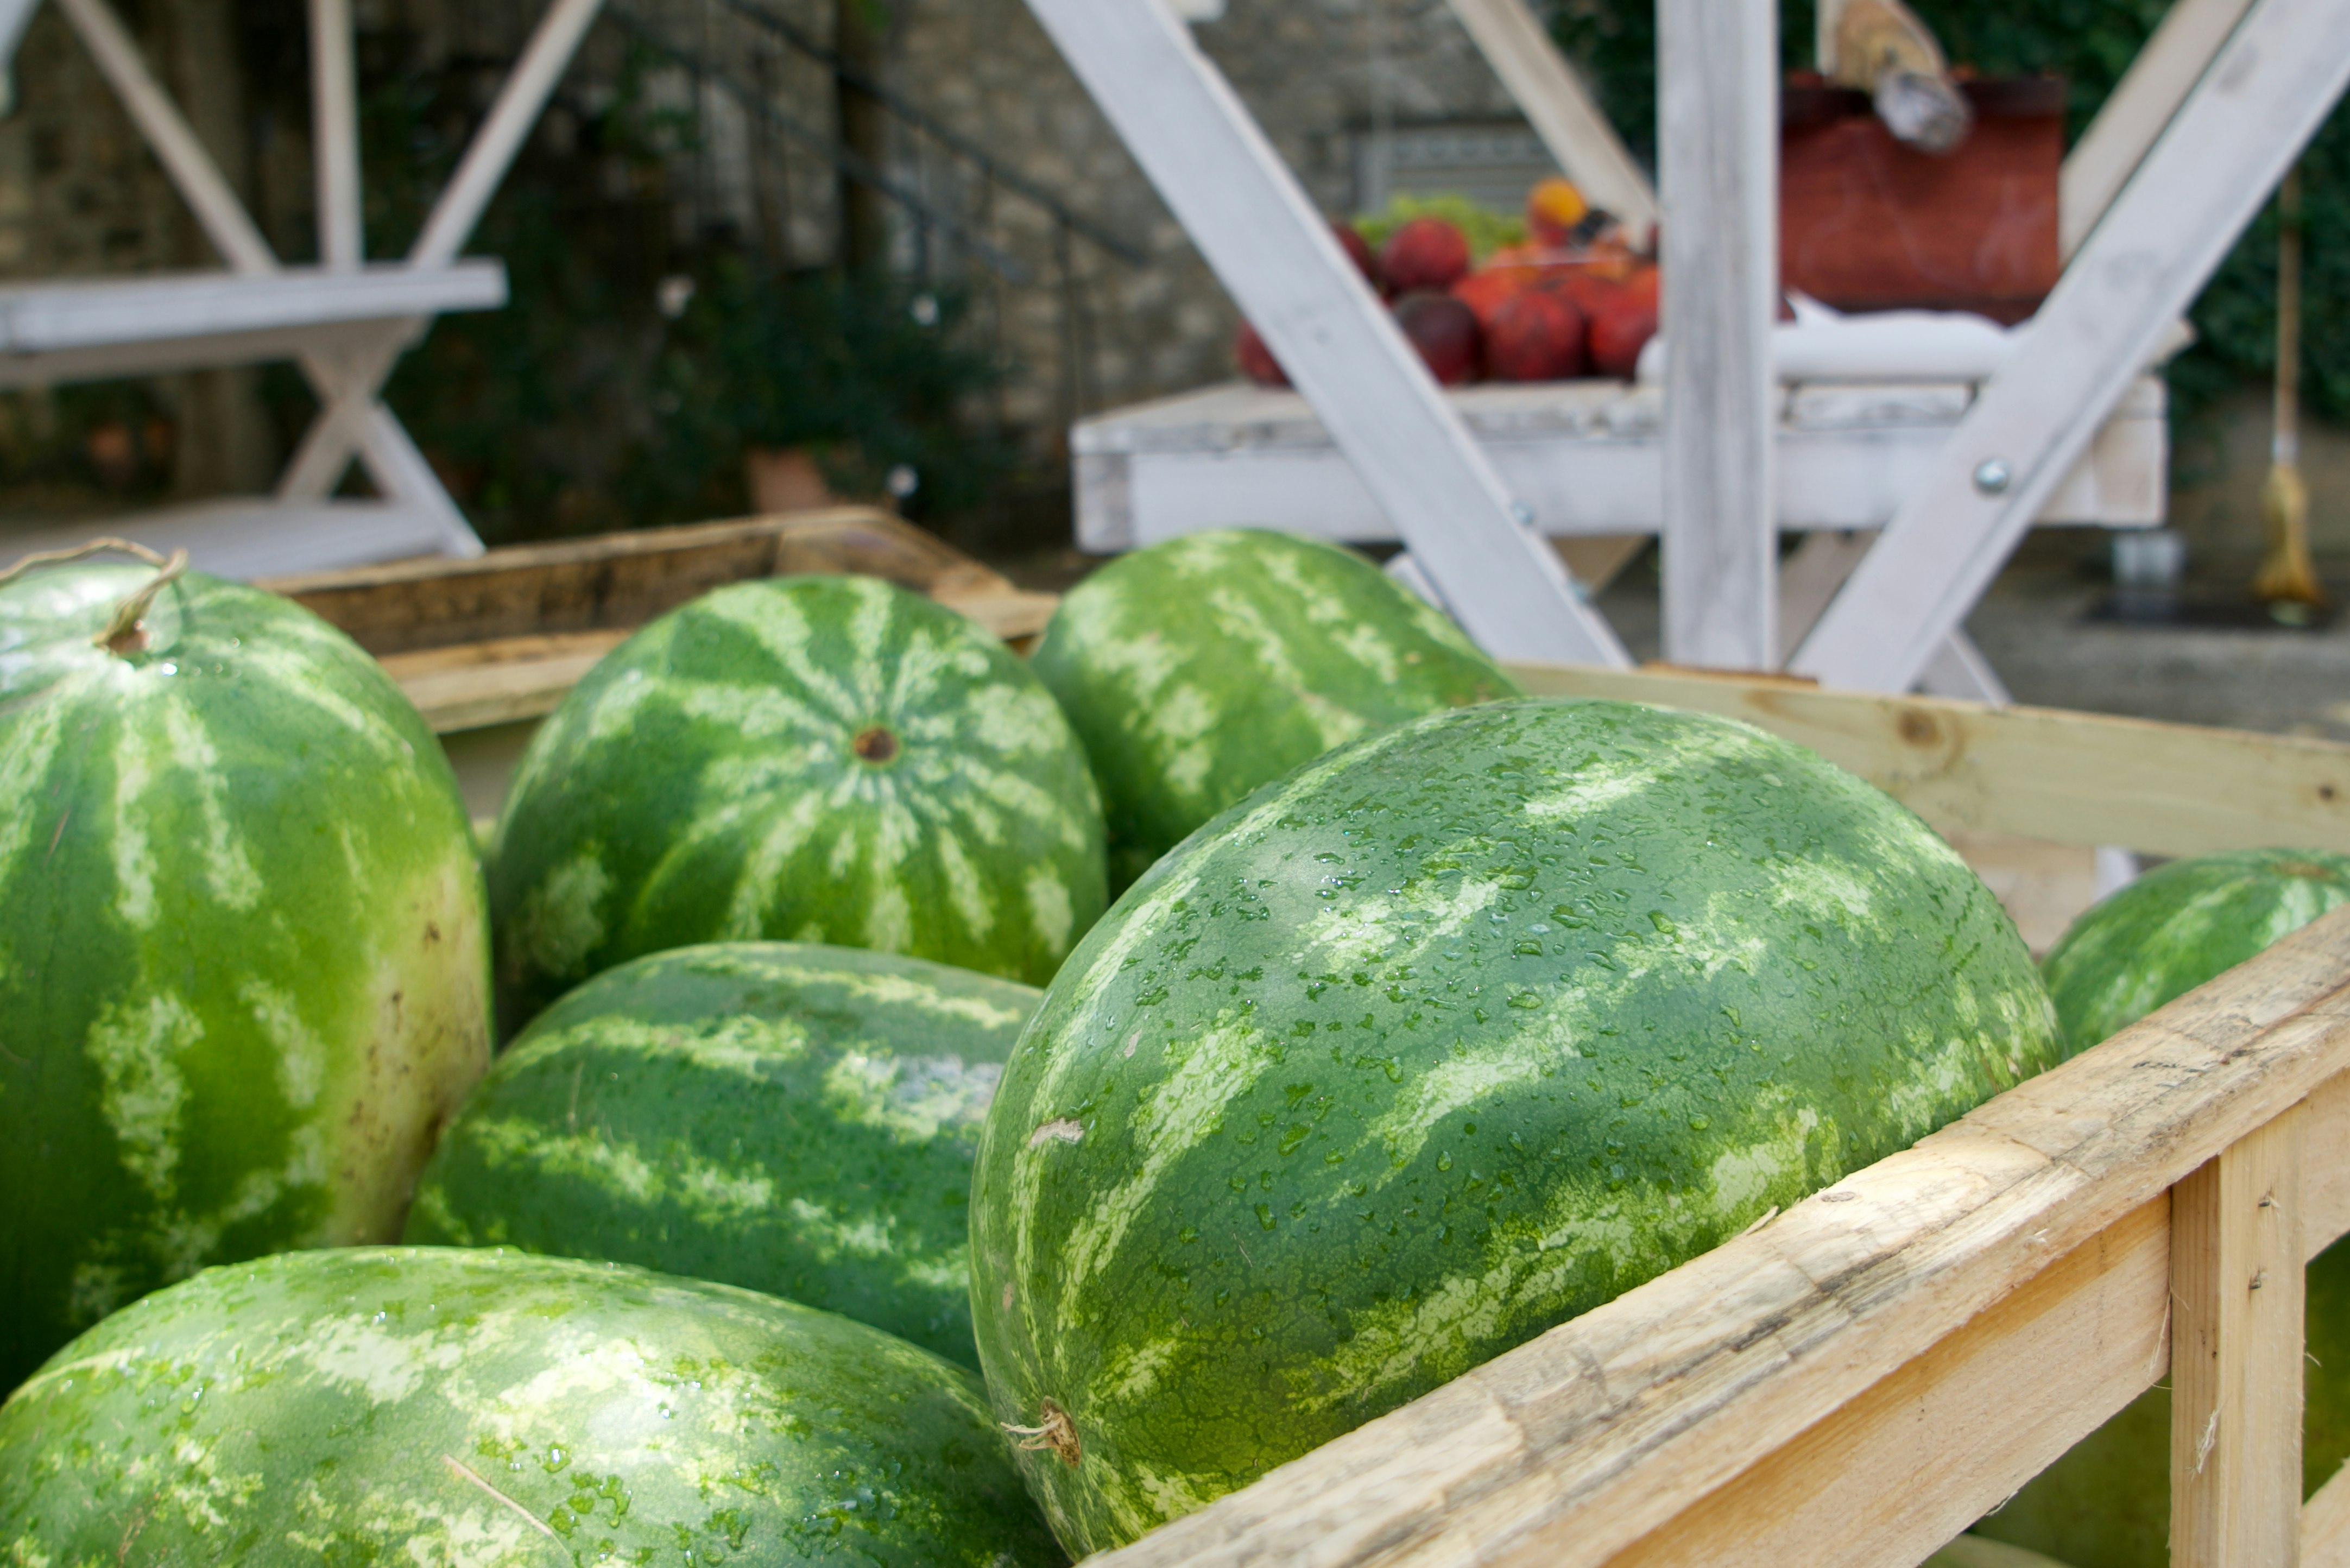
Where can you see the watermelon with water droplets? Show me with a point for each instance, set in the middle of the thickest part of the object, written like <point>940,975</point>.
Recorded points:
<point>812,759</point>
<point>1440,1040</point>
<point>243,948</point>
<point>442,1407</point>
<point>1199,669</point>
<point>795,1119</point>
<point>2181,924</point>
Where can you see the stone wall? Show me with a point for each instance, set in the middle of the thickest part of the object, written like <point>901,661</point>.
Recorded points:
<point>1083,328</point>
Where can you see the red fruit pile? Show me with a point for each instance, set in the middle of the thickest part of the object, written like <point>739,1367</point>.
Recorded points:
<point>1575,301</point>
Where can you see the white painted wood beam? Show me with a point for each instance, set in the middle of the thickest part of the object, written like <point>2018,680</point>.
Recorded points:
<point>494,147</point>
<point>1718,118</point>
<point>14,16</point>
<point>1276,256</point>
<point>223,218</point>
<point>1561,109</point>
<point>2242,125</point>
<point>334,136</point>
<point>2158,81</point>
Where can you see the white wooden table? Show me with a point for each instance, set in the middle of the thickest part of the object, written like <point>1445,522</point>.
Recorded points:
<point>344,321</point>
<point>1584,457</point>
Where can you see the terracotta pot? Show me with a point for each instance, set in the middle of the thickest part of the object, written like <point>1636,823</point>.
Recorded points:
<point>786,478</point>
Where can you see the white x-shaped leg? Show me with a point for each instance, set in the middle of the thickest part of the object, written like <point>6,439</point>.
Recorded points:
<point>2244,123</point>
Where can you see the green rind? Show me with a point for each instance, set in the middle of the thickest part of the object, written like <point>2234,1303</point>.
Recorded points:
<point>796,1120</point>
<point>1199,669</point>
<point>2180,925</point>
<point>1444,1039</point>
<point>2106,1504</point>
<point>700,786</point>
<point>243,948</point>
<point>443,1408</point>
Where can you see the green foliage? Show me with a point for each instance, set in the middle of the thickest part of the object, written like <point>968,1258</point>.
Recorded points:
<point>1487,230</point>
<point>868,372</point>
<point>2090,43</point>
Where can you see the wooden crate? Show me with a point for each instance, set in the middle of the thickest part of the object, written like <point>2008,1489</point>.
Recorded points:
<point>1856,1380</point>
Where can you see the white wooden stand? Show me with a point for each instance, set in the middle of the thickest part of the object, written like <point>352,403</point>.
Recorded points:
<point>2184,152</point>
<point>345,322</point>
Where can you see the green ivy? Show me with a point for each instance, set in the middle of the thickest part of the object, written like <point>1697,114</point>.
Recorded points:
<point>2090,43</point>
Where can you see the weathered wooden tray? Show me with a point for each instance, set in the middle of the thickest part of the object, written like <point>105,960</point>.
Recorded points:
<point>501,637</point>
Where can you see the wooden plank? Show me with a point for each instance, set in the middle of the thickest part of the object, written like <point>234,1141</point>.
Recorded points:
<point>1278,259</point>
<point>1584,455</point>
<point>2236,1347</point>
<point>176,145</point>
<point>2039,772</point>
<point>1923,1454</point>
<point>622,580</point>
<point>1561,109</point>
<point>250,536</point>
<point>2325,1524</point>
<point>482,684</point>
<point>2135,113</point>
<point>48,317</point>
<point>2244,122</point>
<point>334,136</point>
<point>1572,1448</point>
<point>1717,103</point>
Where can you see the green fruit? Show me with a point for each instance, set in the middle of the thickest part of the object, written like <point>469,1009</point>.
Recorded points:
<point>1446,1038</point>
<point>2106,1504</point>
<point>440,1408</point>
<point>797,1120</point>
<point>815,759</point>
<point>243,951</point>
<point>1199,669</point>
<point>2180,925</point>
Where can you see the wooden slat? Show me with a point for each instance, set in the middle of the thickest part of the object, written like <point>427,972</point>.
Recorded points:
<point>2325,1523</point>
<point>618,580</point>
<point>1928,1450</point>
<point>1570,1449</point>
<point>2039,772</point>
<point>2158,81</point>
<point>1717,97</point>
<point>2236,1347</point>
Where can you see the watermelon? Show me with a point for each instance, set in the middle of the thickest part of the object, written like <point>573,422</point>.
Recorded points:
<point>1199,669</point>
<point>243,944</point>
<point>1443,1039</point>
<point>2106,1504</point>
<point>2180,925</point>
<point>436,1407</point>
<point>798,1120</point>
<point>814,759</point>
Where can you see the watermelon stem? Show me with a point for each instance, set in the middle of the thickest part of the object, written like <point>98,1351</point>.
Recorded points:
<point>126,633</point>
<point>98,546</point>
<point>876,745</point>
<point>1058,1435</point>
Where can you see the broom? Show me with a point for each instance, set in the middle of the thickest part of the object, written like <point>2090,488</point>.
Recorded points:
<point>2286,581</point>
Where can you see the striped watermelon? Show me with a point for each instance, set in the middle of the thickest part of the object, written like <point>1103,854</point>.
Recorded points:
<point>441,1407</point>
<point>1442,1040</point>
<point>1199,669</point>
<point>243,951</point>
<point>815,759</point>
<point>2180,925</point>
<point>797,1120</point>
